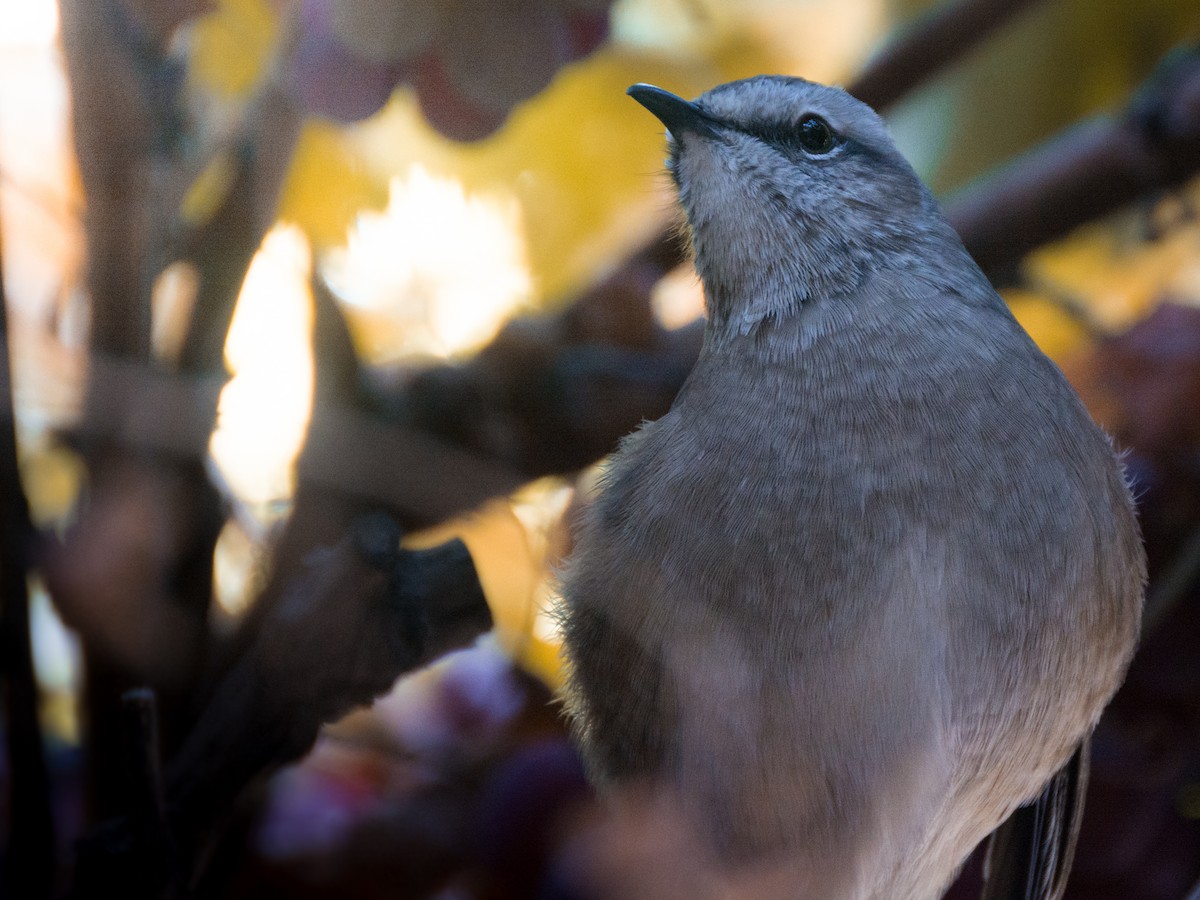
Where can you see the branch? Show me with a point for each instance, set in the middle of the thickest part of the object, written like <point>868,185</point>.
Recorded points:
<point>355,618</point>
<point>553,393</point>
<point>134,573</point>
<point>223,246</point>
<point>132,857</point>
<point>931,44</point>
<point>1175,585</point>
<point>344,613</point>
<point>1091,169</point>
<point>122,104</point>
<point>351,622</point>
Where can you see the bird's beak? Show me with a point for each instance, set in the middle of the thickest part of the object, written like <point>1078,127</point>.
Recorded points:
<point>677,114</point>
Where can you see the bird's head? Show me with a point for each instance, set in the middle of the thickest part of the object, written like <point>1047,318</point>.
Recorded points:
<point>794,193</point>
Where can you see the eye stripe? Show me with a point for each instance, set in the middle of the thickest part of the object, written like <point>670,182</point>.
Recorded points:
<point>812,135</point>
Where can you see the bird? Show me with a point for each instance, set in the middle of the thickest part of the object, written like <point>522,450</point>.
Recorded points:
<point>869,583</point>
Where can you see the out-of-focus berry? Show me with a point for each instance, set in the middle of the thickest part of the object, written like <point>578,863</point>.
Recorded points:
<point>469,61</point>
<point>388,30</point>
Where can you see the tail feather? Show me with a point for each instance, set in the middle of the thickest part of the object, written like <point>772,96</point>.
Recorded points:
<point>1029,856</point>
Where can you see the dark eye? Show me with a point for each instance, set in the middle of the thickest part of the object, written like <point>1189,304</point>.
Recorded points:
<point>815,135</point>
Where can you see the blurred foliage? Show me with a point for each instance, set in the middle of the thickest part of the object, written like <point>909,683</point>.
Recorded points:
<point>1109,275</point>
<point>580,179</point>
<point>52,476</point>
<point>580,160</point>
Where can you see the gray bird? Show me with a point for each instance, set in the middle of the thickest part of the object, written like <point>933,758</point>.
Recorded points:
<point>870,582</point>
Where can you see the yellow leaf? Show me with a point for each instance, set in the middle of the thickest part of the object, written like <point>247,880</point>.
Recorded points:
<point>232,45</point>
<point>584,162</point>
<point>1053,329</point>
<point>327,184</point>
<point>52,478</point>
<point>509,568</point>
<point>544,660</point>
<point>1117,272</point>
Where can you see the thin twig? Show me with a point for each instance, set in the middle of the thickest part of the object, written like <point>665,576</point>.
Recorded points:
<point>1178,580</point>
<point>148,804</point>
<point>222,247</point>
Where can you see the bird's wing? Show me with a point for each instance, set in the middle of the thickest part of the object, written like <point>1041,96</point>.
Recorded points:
<point>1029,856</point>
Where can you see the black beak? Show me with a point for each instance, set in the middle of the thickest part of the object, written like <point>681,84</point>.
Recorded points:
<point>677,114</point>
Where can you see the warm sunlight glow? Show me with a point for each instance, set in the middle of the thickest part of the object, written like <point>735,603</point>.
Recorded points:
<point>237,565</point>
<point>39,193</point>
<point>446,267</point>
<point>265,408</point>
<point>28,22</point>
<point>678,298</point>
<point>56,658</point>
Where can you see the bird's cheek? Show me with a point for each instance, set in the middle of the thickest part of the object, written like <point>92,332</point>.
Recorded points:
<point>710,190</point>
<point>702,162</point>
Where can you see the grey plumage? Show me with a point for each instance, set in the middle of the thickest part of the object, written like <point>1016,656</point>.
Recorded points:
<point>873,578</point>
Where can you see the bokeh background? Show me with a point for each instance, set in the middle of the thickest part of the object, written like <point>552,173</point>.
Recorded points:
<point>299,292</point>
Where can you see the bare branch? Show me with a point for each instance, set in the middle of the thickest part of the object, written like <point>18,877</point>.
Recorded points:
<point>351,621</point>
<point>1093,168</point>
<point>122,94</point>
<point>134,574</point>
<point>929,45</point>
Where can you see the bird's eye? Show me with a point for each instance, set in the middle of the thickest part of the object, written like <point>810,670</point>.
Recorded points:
<point>815,135</point>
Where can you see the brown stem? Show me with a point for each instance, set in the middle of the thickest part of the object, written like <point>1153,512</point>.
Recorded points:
<point>929,45</point>
<point>132,857</point>
<point>1091,169</point>
<point>121,92</point>
<point>135,572</point>
<point>348,623</point>
<point>124,117</point>
<point>148,805</point>
<point>222,247</point>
